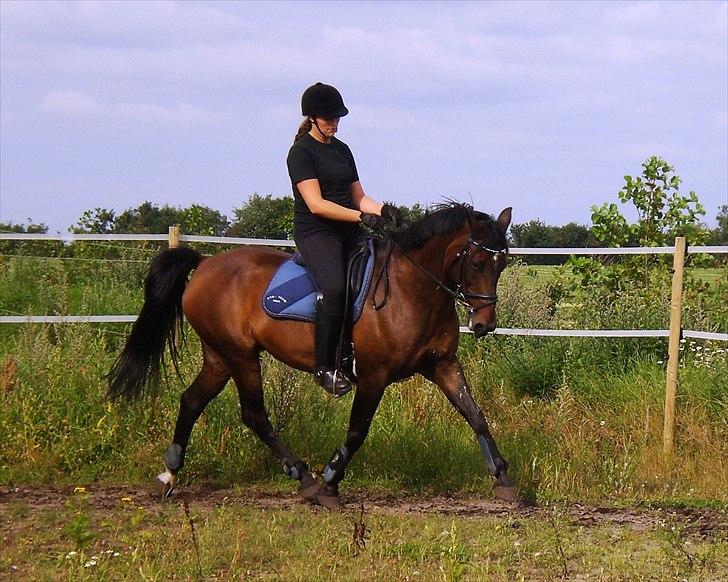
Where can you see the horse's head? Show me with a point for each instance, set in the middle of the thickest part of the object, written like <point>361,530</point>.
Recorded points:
<point>477,264</point>
<point>475,254</point>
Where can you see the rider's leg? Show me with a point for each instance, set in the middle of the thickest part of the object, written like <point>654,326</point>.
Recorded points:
<point>324,254</point>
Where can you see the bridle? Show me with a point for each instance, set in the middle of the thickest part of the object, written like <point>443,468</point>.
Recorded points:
<point>460,293</point>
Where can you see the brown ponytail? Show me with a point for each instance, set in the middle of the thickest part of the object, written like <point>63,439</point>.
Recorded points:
<point>304,128</point>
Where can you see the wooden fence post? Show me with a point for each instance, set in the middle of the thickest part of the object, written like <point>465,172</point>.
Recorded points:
<point>673,349</point>
<point>174,234</point>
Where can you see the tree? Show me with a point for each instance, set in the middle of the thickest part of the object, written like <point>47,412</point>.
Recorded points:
<point>147,218</point>
<point>663,213</point>
<point>96,221</point>
<point>719,235</point>
<point>536,234</point>
<point>202,220</point>
<point>263,217</point>
<point>411,213</point>
<point>42,248</point>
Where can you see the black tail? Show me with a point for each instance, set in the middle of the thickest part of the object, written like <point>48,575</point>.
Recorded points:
<point>137,369</point>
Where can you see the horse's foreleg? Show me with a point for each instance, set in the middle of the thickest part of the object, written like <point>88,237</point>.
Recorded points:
<point>366,401</point>
<point>450,379</point>
<point>250,390</point>
<point>208,384</point>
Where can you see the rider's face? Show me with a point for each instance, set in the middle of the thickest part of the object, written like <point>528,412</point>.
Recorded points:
<point>328,126</point>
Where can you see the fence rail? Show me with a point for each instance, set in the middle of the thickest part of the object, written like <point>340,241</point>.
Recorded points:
<point>534,332</point>
<point>70,237</point>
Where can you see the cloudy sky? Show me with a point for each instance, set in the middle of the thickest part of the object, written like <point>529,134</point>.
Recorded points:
<point>543,106</point>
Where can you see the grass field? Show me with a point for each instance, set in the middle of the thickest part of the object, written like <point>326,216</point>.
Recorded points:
<point>120,533</point>
<point>579,419</point>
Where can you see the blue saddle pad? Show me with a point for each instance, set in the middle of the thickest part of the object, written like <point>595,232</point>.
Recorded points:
<point>291,294</point>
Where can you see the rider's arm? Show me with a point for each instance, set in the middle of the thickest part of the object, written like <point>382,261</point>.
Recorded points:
<point>311,193</point>
<point>362,201</point>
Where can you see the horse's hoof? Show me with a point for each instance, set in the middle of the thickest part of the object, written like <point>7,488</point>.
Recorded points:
<point>309,489</point>
<point>506,493</point>
<point>330,502</point>
<point>164,484</point>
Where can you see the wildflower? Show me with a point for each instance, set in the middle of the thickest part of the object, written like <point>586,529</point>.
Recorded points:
<point>126,499</point>
<point>115,554</point>
<point>602,423</point>
<point>79,490</point>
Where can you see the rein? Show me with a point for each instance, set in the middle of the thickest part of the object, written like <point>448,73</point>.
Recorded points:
<point>460,293</point>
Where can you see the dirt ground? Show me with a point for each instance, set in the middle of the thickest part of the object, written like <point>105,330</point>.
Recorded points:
<point>700,521</point>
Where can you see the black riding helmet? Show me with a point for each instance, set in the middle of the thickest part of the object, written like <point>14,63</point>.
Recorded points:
<point>321,100</point>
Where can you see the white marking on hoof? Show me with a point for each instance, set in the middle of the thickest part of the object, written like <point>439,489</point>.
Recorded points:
<point>167,477</point>
<point>165,483</point>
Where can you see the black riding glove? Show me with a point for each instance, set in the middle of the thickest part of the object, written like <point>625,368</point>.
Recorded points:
<point>393,215</point>
<point>373,221</point>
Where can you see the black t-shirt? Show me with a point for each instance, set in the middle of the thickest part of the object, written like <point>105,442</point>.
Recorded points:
<point>332,164</point>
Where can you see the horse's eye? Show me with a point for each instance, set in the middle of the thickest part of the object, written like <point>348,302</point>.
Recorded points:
<point>478,267</point>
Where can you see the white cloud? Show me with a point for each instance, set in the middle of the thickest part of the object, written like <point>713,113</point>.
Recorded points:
<point>145,23</point>
<point>77,103</point>
<point>70,103</point>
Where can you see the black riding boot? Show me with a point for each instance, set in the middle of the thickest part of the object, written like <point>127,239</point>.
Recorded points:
<point>328,328</point>
<point>347,358</point>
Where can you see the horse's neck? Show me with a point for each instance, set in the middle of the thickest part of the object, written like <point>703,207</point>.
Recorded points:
<point>433,254</point>
<point>422,269</point>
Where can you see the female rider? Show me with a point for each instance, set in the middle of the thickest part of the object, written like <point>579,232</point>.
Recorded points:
<point>329,202</point>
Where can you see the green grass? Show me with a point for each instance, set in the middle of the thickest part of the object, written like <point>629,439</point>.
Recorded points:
<point>577,418</point>
<point>125,539</point>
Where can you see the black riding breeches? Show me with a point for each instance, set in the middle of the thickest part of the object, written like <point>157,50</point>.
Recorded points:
<point>325,254</point>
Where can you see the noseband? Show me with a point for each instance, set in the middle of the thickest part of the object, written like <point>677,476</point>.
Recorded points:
<point>461,292</point>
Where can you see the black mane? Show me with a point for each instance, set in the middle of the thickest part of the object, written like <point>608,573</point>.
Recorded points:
<point>445,218</point>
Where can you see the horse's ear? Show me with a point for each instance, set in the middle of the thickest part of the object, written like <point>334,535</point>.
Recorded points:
<point>504,219</point>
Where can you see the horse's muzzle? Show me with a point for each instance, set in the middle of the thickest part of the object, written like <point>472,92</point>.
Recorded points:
<point>481,329</point>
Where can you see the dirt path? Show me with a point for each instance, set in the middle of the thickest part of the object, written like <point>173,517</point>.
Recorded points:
<point>701,522</point>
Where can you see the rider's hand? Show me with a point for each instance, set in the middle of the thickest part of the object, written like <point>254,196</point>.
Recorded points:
<point>373,221</point>
<point>393,215</point>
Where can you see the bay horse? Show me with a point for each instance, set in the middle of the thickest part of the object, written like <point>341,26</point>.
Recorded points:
<point>453,253</point>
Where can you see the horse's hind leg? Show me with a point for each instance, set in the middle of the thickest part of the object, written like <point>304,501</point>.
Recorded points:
<point>249,381</point>
<point>449,377</point>
<point>209,383</point>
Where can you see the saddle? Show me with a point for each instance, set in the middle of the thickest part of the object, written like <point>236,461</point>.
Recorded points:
<point>291,293</point>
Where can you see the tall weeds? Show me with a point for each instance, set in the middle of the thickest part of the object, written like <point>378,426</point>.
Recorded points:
<point>577,418</point>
